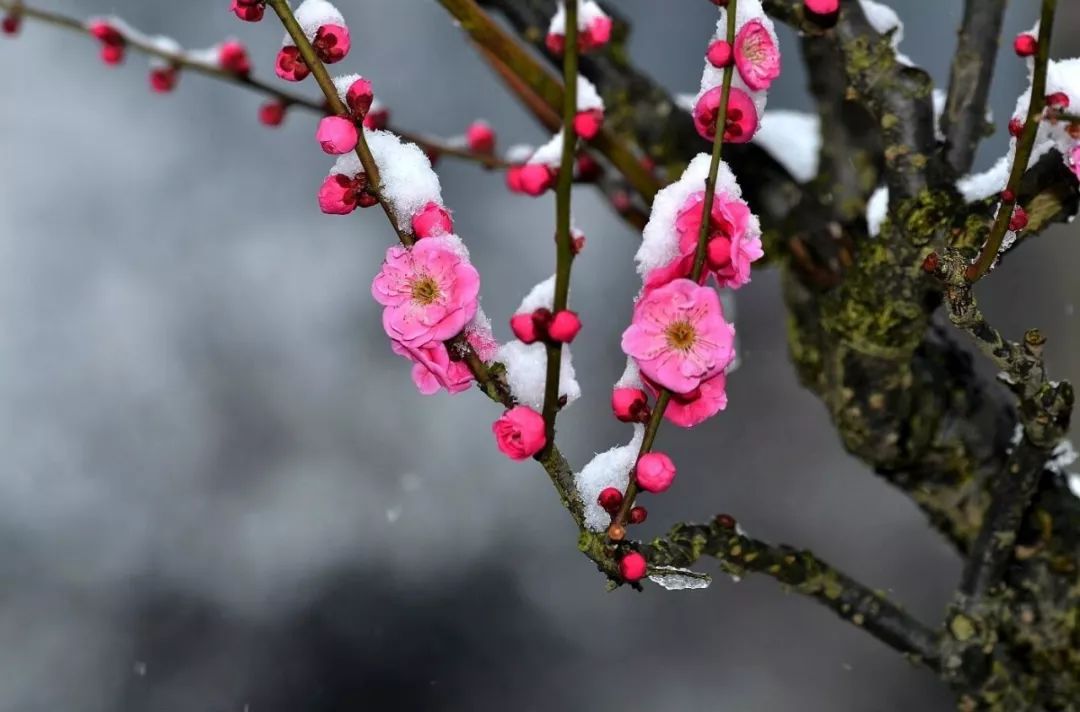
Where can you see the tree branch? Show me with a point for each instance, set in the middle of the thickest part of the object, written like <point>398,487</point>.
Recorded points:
<point>805,573</point>
<point>964,121</point>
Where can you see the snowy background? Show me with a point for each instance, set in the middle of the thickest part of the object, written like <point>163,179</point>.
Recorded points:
<point>221,491</point>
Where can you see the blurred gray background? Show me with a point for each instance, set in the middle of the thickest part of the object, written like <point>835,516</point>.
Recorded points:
<point>222,493</point>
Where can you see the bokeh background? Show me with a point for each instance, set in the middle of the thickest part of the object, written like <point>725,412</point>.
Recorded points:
<point>221,492</point>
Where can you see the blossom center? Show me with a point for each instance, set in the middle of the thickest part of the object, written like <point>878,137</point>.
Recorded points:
<point>425,290</point>
<point>681,335</point>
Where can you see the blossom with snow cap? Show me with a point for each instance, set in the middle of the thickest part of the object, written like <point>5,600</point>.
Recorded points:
<point>678,336</point>
<point>594,28</point>
<point>429,291</point>
<point>433,368</point>
<point>325,28</point>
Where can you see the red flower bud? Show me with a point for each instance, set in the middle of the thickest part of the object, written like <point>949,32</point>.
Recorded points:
<point>1025,45</point>
<point>638,515</point>
<point>610,500</point>
<point>1019,219</point>
<point>564,326</point>
<point>632,567</point>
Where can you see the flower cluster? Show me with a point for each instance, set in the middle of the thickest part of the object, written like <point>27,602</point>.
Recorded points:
<point>325,29</point>
<point>594,28</point>
<point>756,56</point>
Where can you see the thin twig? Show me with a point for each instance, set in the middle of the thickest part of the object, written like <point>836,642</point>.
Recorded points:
<point>964,120</point>
<point>564,251</point>
<point>1023,148</point>
<point>664,398</point>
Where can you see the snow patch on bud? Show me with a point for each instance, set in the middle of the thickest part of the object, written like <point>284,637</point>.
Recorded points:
<point>408,181</point>
<point>313,14</point>
<point>607,469</point>
<point>594,28</point>
<point>587,95</point>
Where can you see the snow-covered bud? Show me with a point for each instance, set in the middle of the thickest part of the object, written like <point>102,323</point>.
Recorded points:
<point>1058,101</point>
<point>233,57</point>
<point>719,54</point>
<point>164,79</point>
<point>564,326</point>
<point>272,113</point>
<point>630,405</point>
<point>359,97</point>
<point>536,178</point>
<point>11,23</point>
<point>823,13</point>
<point>480,137</point>
<point>431,221</point>
<point>290,66</point>
<point>1019,219</point>
<point>249,10</point>
<point>1025,45</point>
<point>610,500</point>
<point>655,472</point>
<point>337,135</point>
<point>587,123</point>
<point>638,515</point>
<point>632,567</point>
<point>112,41</point>
<point>577,241</point>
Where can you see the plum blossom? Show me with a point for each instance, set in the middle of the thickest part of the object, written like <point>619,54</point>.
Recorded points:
<point>233,57</point>
<point>433,369</point>
<point>272,113</point>
<point>431,221</point>
<point>430,292</point>
<point>742,117</point>
<point>480,137</point>
<point>249,10</point>
<point>519,433</point>
<point>594,28</point>
<point>654,472</point>
<point>689,409</point>
<point>337,135</point>
<point>734,242</point>
<point>1074,160</point>
<point>678,336</point>
<point>341,194</point>
<point>756,56</point>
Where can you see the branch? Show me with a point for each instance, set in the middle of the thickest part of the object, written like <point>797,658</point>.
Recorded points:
<point>1023,148</point>
<point>564,250</point>
<point>964,121</point>
<point>431,146</point>
<point>805,573</point>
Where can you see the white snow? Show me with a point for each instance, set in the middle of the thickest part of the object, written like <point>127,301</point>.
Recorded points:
<point>550,153</point>
<point>660,242</point>
<point>938,98</point>
<point>587,95</point>
<point>884,20</point>
<point>588,12</point>
<point>631,376</point>
<point>607,469</point>
<point>313,14</point>
<point>674,579</point>
<point>408,182</point>
<point>1061,457</point>
<point>541,295</point>
<point>519,152</point>
<point>978,186</point>
<point>793,138</point>
<point>343,83</point>
<point>1073,480</point>
<point>877,209</point>
<point>526,372</point>
<point>167,45</point>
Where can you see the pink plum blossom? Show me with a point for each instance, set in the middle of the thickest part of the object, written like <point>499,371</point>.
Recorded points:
<point>433,369</point>
<point>331,43</point>
<point>694,408</point>
<point>337,135</point>
<point>429,291</point>
<point>719,54</point>
<point>1074,160</point>
<point>290,66</point>
<point>481,340</point>
<point>678,336</point>
<point>519,433</point>
<point>536,178</point>
<point>233,57</point>
<point>359,97</point>
<point>564,326</point>
<point>272,113</point>
<point>480,137</point>
<point>432,220</point>
<point>633,567</point>
<point>756,55</point>
<point>732,245</point>
<point>630,405</point>
<point>164,79</point>
<point>249,10</point>
<point>742,118</point>
<point>654,472</point>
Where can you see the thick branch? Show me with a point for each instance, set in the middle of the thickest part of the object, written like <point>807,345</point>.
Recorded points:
<point>964,121</point>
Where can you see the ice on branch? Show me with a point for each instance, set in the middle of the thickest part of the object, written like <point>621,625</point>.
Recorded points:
<point>608,469</point>
<point>793,138</point>
<point>877,209</point>
<point>526,364</point>
<point>674,579</point>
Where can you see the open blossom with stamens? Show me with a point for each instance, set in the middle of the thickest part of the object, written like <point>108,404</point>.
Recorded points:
<point>429,291</point>
<point>678,336</point>
<point>734,242</point>
<point>756,55</point>
<point>742,118</point>
<point>433,369</point>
